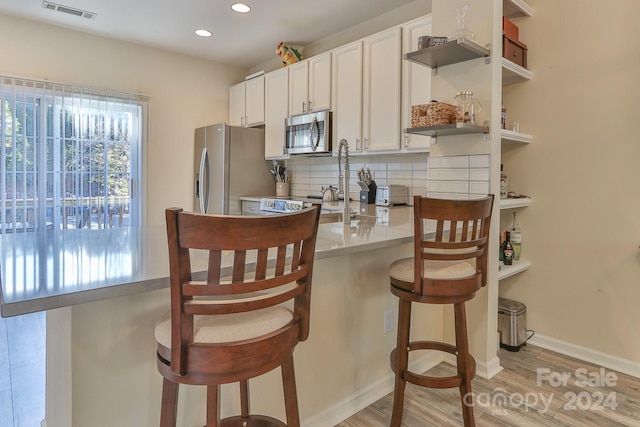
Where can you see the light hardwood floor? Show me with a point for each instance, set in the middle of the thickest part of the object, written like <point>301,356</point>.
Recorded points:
<point>22,370</point>
<point>22,374</point>
<point>533,396</point>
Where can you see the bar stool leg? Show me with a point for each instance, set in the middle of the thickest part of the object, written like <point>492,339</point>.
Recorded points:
<point>213,406</point>
<point>169,405</point>
<point>244,398</point>
<point>290,393</point>
<point>464,364</point>
<point>402,360</point>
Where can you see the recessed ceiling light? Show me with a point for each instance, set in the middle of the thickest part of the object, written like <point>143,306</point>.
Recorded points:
<point>203,33</point>
<point>240,7</point>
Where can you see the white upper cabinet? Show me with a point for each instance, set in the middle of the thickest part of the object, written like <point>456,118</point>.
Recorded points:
<point>347,96</point>
<point>416,83</point>
<point>366,93</point>
<point>382,80</point>
<point>246,102</point>
<point>310,85</point>
<point>276,88</point>
<point>236,105</point>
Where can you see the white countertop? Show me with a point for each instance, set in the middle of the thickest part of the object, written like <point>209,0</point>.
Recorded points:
<point>52,269</point>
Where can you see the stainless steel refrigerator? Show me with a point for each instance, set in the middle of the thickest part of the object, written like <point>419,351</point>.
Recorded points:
<point>229,163</point>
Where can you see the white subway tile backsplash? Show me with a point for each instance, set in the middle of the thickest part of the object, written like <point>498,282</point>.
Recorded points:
<point>479,161</point>
<point>457,177</point>
<point>448,174</point>
<point>448,162</point>
<point>448,186</point>
<point>462,175</point>
<point>479,174</point>
<point>420,174</point>
<point>399,166</point>
<point>395,174</point>
<point>479,188</point>
<point>450,196</point>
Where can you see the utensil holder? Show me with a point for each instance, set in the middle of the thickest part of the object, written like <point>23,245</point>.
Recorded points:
<point>368,197</point>
<point>282,189</point>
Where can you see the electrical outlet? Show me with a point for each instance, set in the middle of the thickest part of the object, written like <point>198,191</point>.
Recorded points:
<point>388,321</point>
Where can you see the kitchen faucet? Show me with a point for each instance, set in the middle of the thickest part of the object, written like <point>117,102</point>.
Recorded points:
<point>343,187</point>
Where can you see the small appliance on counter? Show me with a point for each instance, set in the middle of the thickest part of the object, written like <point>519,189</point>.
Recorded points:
<point>389,195</point>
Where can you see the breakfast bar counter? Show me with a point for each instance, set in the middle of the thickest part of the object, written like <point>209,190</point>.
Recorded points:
<point>52,269</point>
<point>104,290</point>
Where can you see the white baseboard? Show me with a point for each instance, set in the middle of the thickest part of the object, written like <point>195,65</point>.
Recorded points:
<point>365,397</point>
<point>605,360</point>
<point>486,370</point>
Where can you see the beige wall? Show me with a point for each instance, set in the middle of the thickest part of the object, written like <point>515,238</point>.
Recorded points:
<point>403,14</point>
<point>583,229</point>
<point>185,93</point>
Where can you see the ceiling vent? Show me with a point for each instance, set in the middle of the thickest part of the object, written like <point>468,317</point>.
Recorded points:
<point>68,10</point>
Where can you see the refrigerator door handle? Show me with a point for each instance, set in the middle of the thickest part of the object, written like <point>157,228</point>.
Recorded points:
<point>203,182</point>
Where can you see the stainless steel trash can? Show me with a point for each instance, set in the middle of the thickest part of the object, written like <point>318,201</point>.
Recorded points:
<point>512,324</point>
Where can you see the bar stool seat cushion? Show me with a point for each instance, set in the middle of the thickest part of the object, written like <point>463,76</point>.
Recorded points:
<point>402,270</point>
<point>226,328</point>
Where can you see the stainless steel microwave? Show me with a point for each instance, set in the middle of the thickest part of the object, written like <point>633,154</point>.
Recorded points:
<point>309,133</point>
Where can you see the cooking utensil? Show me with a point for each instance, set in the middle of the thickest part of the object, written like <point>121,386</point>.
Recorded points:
<point>329,194</point>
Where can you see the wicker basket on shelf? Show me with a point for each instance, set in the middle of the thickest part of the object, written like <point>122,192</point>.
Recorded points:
<point>432,114</point>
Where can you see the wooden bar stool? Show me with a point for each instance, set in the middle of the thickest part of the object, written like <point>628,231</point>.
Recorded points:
<point>239,322</point>
<point>447,268</point>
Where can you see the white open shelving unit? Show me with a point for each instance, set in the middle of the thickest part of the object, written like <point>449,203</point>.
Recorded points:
<point>511,270</point>
<point>511,74</point>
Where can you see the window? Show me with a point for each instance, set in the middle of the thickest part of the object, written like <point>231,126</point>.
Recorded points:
<point>70,156</point>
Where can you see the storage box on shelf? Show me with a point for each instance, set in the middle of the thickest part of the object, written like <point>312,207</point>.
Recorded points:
<point>515,51</point>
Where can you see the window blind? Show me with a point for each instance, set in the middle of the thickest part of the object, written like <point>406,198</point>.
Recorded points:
<point>70,156</point>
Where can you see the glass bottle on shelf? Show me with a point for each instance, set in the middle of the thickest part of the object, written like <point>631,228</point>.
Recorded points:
<point>503,118</point>
<point>504,183</point>
<point>507,252</point>
<point>516,238</point>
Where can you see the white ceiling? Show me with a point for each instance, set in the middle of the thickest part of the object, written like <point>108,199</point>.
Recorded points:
<point>238,39</point>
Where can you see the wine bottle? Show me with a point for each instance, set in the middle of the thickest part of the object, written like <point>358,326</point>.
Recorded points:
<point>507,252</point>
<point>516,238</point>
<point>504,183</point>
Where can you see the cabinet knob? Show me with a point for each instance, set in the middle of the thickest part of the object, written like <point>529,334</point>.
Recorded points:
<point>304,107</point>
<point>309,103</point>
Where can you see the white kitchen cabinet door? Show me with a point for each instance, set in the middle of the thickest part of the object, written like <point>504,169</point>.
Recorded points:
<point>246,102</point>
<point>382,80</point>
<point>276,88</point>
<point>236,105</point>
<point>254,101</point>
<point>347,96</point>
<point>320,82</point>
<point>298,88</point>
<point>416,83</point>
<point>310,85</point>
